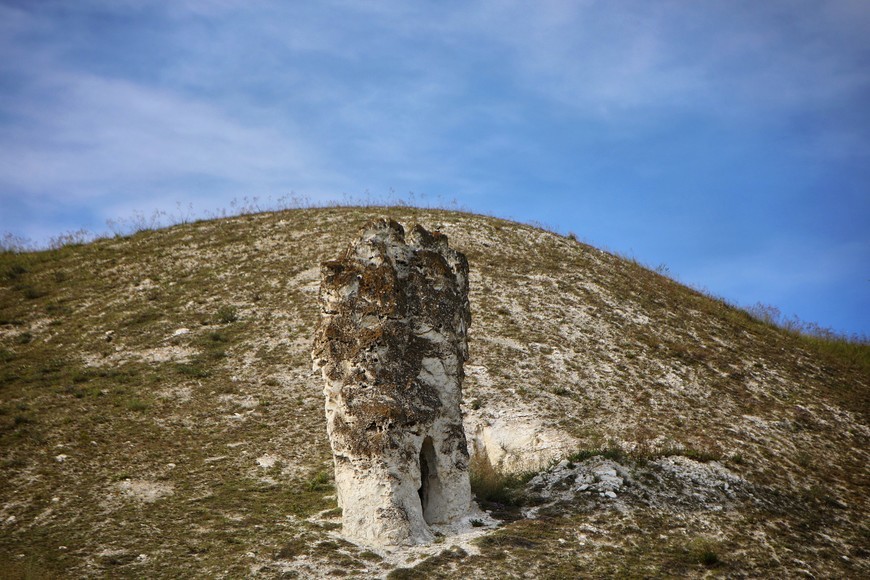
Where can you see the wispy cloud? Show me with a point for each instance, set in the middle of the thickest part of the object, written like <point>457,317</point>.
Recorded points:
<point>717,56</point>
<point>74,135</point>
<point>672,124</point>
<point>100,129</point>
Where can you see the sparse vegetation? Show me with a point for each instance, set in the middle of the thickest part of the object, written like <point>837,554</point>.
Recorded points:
<point>321,481</point>
<point>852,349</point>
<point>227,314</point>
<point>194,370</point>
<point>138,405</point>
<point>703,551</point>
<point>644,453</point>
<point>491,484</point>
<point>612,451</point>
<point>223,425</point>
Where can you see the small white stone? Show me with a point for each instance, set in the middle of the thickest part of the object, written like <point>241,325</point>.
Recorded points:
<point>180,331</point>
<point>61,458</point>
<point>55,499</point>
<point>610,494</point>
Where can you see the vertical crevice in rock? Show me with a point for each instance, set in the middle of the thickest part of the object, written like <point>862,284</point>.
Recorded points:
<point>431,492</point>
<point>391,345</point>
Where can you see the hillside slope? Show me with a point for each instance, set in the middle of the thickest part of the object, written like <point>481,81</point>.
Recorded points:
<point>159,415</point>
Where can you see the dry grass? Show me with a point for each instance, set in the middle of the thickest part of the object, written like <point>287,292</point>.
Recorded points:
<point>491,485</point>
<point>224,422</point>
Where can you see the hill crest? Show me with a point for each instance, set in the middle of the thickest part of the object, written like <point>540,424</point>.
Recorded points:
<point>160,416</point>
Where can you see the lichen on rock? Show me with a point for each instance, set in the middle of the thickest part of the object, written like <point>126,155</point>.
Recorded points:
<point>391,345</point>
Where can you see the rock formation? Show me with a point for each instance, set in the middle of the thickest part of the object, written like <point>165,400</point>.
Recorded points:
<point>391,345</point>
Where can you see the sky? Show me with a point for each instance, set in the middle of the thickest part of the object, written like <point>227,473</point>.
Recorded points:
<point>726,141</point>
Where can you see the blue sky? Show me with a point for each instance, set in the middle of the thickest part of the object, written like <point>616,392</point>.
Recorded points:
<point>729,140</point>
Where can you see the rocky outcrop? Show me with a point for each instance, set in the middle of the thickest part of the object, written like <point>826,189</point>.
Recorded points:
<point>391,345</point>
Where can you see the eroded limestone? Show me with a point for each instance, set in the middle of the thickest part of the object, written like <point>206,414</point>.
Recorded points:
<point>391,345</point>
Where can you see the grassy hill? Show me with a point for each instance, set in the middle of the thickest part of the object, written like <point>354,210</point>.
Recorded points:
<point>159,416</point>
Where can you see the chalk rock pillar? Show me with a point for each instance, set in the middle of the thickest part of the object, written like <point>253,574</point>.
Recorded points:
<point>391,344</point>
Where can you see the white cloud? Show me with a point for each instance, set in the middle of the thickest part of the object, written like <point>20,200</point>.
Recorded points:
<point>607,59</point>
<point>111,129</point>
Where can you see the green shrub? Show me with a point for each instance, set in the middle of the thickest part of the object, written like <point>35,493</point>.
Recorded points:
<point>612,452</point>
<point>704,551</point>
<point>23,420</point>
<point>192,370</point>
<point>12,270</point>
<point>138,405</point>
<point>698,455</point>
<point>321,481</point>
<point>643,453</point>
<point>227,314</point>
<point>32,293</point>
<point>493,484</point>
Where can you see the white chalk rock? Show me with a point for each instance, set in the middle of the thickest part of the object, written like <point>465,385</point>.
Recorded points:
<point>391,345</point>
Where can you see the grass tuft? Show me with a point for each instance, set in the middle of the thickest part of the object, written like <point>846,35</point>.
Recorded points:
<point>138,405</point>
<point>227,314</point>
<point>704,551</point>
<point>321,481</point>
<point>853,350</point>
<point>492,484</point>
